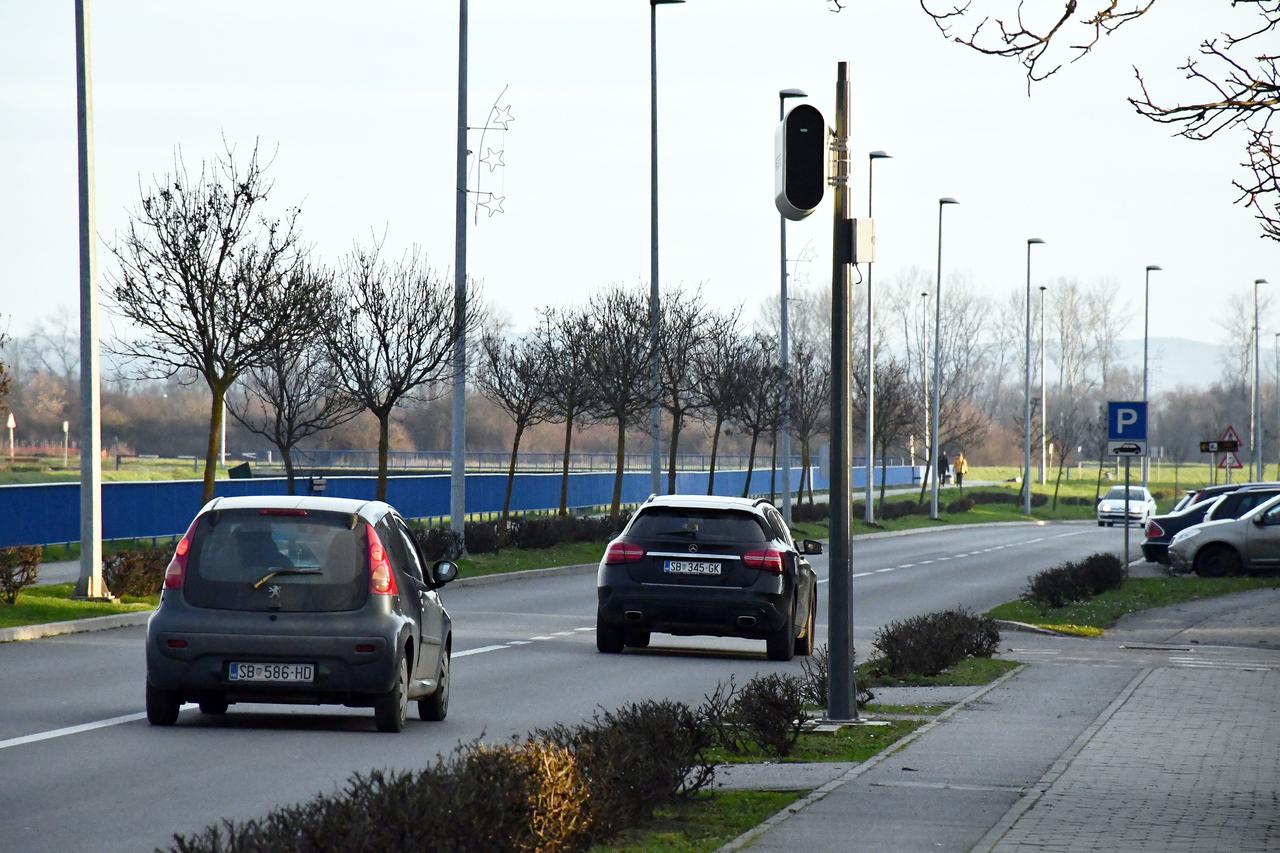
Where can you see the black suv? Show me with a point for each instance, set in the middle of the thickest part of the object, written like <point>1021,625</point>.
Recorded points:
<point>693,565</point>
<point>1207,504</point>
<point>300,600</point>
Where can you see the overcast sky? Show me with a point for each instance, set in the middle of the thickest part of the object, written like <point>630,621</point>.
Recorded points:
<point>357,100</point>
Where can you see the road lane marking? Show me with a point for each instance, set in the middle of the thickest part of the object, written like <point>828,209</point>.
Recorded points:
<point>75,730</point>
<point>906,565</point>
<point>586,628</point>
<point>520,643</point>
<point>479,651</point>
<point>563,634</point>
<point>891,568</point>
<point>540,638</point>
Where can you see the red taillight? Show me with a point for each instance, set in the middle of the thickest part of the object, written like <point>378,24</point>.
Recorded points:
<point>365,648</point>
<point>1154,531</point>
<point>290,512</point>
<point>176,644</point>
<point>178,565</point>
<point>382,581</point>
<point>620,552</point>
<point>767,560</point>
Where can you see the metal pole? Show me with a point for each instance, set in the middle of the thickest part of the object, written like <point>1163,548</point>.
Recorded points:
<point>784,346</point>
<point>655,415</point>
<point>90,584</point>
<point>924,375</point>
<point>1255,467</point>
<point>1044,395</point>
<point>869,515</point>
<point>458,445</point>
<point>842,690</point>
<point>935,450</point>
<point>1277,387</point>
<point>1126,515</point>
<point>1146,327</point>
<point>1026,394</point>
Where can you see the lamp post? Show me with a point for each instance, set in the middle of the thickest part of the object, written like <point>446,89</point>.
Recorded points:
<point>924,375</point>
<point>655,307</point>
<point>1044,397</point>
<point>458,437</point>
<point>1277,387</point>
<point>1146,326</point>
<point>934,449</point>
<point>783,345</point>
<point>1255,411</point>
<point>869,515</point>
<point>1026,393</point>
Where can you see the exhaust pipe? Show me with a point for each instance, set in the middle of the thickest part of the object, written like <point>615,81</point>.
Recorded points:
<point>746,621</point>
<point>633,615</point>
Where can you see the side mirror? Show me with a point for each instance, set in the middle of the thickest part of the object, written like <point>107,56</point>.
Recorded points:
<point>811,547</point>
<point>443,572</point>
<point>1260,520</point>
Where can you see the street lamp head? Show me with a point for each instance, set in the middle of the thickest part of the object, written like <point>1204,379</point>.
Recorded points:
<point>880,155</point>
<point>663,2</point>
<point>1034,241</point>
<point>783,94</point>
<point>1260,281</point>
<point>947,200</point>
<point>1043,288</point>
<point>1154,268</point>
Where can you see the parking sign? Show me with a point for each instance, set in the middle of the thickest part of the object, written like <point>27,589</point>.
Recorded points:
<point>1127,428</point>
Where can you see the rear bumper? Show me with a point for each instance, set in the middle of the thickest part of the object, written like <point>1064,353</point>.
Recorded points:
<point>688,611</point>
<point>1118,516</point>
<point>1156,552</point>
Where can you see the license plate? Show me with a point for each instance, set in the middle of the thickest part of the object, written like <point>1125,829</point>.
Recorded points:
<point>690,567</point>
<point>271,672</point>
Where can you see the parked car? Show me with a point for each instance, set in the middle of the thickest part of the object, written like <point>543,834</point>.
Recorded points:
<point>1220,502</point>
<point>695,565</point>
<point>300,600</point>
<point>1229,546</point>
<point>1112,509</point>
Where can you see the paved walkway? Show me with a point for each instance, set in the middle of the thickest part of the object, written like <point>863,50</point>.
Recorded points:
<point>1164,735</point>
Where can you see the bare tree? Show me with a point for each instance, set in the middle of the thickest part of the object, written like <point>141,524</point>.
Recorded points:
<point>511,375</point>
<point>683,327</point>
<point>565,339</point>
<point>4,371</point>
<point>759,375</point>
<point>718,368</point>
<point>211,282</point>
<point>392,333</point>
<point>896,407</point>
<point>619,367</point>
<point>811,402</point>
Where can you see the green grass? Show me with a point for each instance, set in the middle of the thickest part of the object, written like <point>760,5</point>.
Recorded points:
<point>702,823</point>
<point>520,559</point>
<point>851,743</point>
<point>39,604</point>
<point>1136,594</point>
<point>934,710</point>
<point>42,469</point>
<point>970,672</point>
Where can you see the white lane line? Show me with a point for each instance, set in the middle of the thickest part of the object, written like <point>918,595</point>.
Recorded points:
<point>479,651</point>
<point>906,565</point>
<point>543,637</point>
<point>563,634</point>
<point>943,559</point>
<point>520,643</point>
<point>926,562</point>
<point>587,628</point>
<point>75,730</point>
<point>863,574</point>
<point>891,568</point>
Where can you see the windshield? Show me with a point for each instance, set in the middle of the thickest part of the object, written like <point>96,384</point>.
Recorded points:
<point>1136,493</point>
<point>698,525</point>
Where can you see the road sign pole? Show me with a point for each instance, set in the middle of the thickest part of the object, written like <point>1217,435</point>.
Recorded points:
<point>1126,515</point>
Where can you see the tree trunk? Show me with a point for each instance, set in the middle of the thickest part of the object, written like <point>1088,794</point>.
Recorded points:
<point>217,393</point>
<point>1097,484</point>
<point>286,453</point>
<point>1062,462</point>
<point>616,506</point>
<point>751,463</point>
<point>806,459</point>
<point>564,470</point>
<point>715,445</point>
<point>928,469</point>
<point>884,471</point>
<point>384,441</point>
<point>511,477</point>
<point>677,420</point>
<point>773,465</point>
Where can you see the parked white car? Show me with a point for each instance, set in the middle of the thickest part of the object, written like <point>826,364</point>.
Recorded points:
<point>1111,509</point>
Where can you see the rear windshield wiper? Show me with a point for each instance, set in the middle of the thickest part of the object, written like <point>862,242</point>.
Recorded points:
<point>274,572</point>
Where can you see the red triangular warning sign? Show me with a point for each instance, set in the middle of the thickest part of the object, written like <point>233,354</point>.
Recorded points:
<point>1230,460</point>
<point>1230,434</point>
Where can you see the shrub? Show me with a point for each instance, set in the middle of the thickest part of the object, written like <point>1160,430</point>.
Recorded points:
<point>1100,572</point>
<point>961,505</point>
<point>770,708</point>
<point>802,512</point>
<point>1037,499</point>
<point>19,568</point>
<point>928,644</point>
<point>481,537</point>
<point>137,571</point>
<point>1053,588</point>
<point>439,543</point>
<point>817,675</point>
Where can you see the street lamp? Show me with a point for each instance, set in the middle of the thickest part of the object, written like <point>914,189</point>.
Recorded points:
<point>870,513</point>
<point>934,449</point>
<point>1026,393</point>
<point>1255,412</point>
<point>783,346</point>
<point>655,378</point>
<point>1277,387</point>
<point>924,375</point>
<point>1044,397</point>
<point>1146,325</point>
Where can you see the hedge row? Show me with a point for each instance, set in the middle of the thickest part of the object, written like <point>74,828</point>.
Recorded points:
<point>928,644</point>
<point>1074,581</point>
<point>485,537</point>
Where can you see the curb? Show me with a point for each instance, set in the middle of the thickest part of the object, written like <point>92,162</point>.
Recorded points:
<point>506,577</point>
<point>751,835</point>
<point>74,626</point>
<point>1010,625</point>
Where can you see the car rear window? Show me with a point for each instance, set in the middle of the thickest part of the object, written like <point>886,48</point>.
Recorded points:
<point>319,562</point>
<point>698,525</point>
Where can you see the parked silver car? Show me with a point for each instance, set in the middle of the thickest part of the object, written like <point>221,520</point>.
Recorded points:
<point>1230,546</point>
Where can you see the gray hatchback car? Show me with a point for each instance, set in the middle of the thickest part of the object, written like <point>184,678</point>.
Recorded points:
<point>300,600</point>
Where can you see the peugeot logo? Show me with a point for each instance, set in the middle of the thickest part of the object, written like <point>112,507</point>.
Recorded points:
<point>693,549</point>
<point>273,591</point>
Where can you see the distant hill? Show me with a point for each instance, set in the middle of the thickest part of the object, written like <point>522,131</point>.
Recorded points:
<point>1181,361</point>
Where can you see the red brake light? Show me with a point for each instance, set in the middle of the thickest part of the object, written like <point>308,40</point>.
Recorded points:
<point>621,552</point>
<point>291,512</point>
<point>382,581</point>
<point>766,560</point>
<point>177,567</point>
<point>1154,531</point>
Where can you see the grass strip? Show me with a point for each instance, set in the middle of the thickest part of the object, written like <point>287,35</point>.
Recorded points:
<point>702,823</point>
<point>39,604</point>
<point>851,743</point>
<point>1136,594</point>
<point>970,672</point>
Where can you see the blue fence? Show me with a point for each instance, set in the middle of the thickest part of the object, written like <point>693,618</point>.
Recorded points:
<point>47,514</point>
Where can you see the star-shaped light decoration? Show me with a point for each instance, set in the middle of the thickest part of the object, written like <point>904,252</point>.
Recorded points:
<point>493,159</point>
<point>493,204</point>
<point>502,117</point>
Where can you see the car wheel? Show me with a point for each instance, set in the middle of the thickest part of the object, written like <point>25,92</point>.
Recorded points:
<point>636,638</point>
<point>804,645</point>
<point>214,706</point>
<point>162,706</point>
<point>781,644</point>
<point>435,707</point>
<point>609,638</point>
<point>1218,561</point>
<point>1102,524</point>
<point>392,708</point>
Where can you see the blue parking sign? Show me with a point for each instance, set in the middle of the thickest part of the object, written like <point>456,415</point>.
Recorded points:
<point>1127,421</point>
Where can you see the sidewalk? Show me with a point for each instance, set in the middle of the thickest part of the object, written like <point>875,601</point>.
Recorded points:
<point>1161,735</point>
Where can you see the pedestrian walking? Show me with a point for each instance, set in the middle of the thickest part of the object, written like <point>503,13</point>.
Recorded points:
<point>962,468</point>
<point>944,468</point>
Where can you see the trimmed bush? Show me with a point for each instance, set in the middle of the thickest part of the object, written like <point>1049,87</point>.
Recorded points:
<point>19,568</point>
<point>1071,582</point>
<point>1015,498</point>
<point>928,644</point>
<point>1100,572</point>
<point>481,537</point>
<point>802,512</point>
<point>137,571</point>
<point>439,543</point>
<point>961,505</point>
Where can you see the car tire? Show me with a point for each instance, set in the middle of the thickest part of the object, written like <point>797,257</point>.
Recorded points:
<point>609,638</point>
<point>391,708</point>
<point>1102,524</point>
<point>162,706</point>
<point>781,644</point>
<point>636,638</point>
<point>214,706</point>
<point>804,645</point>
<point>1218,561</point>
<point>435,707</point>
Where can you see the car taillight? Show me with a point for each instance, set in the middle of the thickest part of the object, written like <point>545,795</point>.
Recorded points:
<point>1154,531</point>
<point>382,581</point>
<point>767,560</point>
<point>177,567</point>
<point>620,552</point>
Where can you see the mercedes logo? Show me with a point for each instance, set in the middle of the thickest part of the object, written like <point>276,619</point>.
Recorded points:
<point>693,549</point>
<point>273,591</point>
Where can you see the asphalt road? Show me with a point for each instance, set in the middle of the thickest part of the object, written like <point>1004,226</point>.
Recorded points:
<point>80,769</point>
